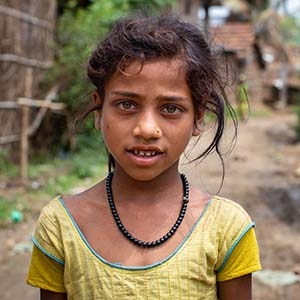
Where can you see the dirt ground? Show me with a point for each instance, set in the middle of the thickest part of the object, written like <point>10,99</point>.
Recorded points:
<point>262,173</point>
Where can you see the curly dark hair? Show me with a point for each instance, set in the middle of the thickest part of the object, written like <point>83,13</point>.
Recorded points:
<point>166,37</point>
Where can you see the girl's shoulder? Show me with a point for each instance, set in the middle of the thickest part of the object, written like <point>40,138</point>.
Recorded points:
<point>226,218</point>
<point>53,208</point>
<point>86,200</point>
<point>73,206</point>
<point>224,207</point>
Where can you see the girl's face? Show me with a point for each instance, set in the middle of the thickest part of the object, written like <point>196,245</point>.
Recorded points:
<point>147,117</point>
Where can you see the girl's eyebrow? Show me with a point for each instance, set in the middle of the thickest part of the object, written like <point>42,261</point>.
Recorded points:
<point>160,97</point>
<point>126,94</point>
<point>172,98</point>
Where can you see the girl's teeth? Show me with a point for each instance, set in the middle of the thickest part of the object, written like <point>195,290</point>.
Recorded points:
<point>144,153</point>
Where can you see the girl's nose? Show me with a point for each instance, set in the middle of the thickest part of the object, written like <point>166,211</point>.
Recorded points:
<point>147,127</point>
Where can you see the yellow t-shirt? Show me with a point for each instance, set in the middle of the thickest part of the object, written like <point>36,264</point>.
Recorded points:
<point>221,246</point>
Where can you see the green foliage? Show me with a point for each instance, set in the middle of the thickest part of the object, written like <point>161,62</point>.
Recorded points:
<point>10,208</point>
<point>297,125</point>
<point>290,28</point>
<point>5,208</point>
<point>78,34</point>
<point>242,100</point>
<point>63,174</point>
<point>7,168</point>
<point>49,177</point>
<point>260,5</point>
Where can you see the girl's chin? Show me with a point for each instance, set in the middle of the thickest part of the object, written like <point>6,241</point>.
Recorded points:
<point>146,173</point>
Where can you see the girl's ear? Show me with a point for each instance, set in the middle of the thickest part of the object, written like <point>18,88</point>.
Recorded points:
<point>98,112</point>
<point>198,123</point>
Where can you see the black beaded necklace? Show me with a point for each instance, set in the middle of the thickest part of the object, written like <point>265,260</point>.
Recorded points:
<point>132,238</point>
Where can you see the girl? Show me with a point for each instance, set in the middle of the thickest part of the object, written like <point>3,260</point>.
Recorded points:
<point>144,232</point>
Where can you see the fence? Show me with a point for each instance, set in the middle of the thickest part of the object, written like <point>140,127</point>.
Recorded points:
<point>26,53</point>
<point>27,129</point>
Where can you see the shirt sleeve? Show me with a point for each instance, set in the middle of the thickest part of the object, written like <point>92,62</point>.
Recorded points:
<point>45,273</point>
<point>242,258</point>
<point>46,269</point>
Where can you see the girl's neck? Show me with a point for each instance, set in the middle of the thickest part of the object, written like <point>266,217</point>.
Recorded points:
<point>160,188</point>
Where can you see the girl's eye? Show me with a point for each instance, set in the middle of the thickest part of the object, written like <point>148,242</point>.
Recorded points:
<point>126,105</point>
<point>171,109</point>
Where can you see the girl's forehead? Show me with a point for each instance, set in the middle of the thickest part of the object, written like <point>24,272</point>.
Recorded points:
<point>135,66</point>
<point>151,76</point>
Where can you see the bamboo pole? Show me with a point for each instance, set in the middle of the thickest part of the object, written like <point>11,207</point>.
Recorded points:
<point>24,142</point>
<point>29,62</point>
<point>42,104</point>
<point>25,110</point>
<point>26,17</point>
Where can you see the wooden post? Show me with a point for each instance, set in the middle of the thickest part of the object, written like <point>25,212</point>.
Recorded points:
<point>25,126</point>
<point>24,142</point>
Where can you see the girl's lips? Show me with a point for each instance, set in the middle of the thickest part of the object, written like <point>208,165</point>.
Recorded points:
<point>145,153</point>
